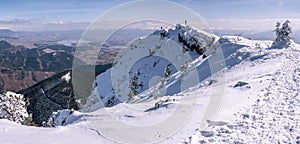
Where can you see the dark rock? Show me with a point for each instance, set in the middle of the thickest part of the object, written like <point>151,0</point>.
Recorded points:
<point>240,84</point>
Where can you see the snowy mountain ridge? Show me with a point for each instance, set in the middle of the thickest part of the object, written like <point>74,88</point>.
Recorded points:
<point>259,98</point>
<point>174,51</point>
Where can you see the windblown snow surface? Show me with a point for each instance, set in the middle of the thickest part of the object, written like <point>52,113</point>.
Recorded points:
<point>259,104</point>
<point>272,116</point>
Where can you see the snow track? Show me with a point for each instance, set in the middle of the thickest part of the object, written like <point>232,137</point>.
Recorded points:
<point>273,118</point>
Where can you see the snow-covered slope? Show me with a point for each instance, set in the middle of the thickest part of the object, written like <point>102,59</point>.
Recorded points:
<point>146,61</point>
<point>12,133</point>
<point>248,95</point>
<point>272,116</point>
<point>190,55</point>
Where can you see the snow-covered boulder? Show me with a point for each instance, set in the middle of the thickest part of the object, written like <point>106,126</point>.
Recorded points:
<point>62,117</point>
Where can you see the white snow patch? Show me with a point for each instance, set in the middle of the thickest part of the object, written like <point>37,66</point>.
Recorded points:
<point>66,77</point>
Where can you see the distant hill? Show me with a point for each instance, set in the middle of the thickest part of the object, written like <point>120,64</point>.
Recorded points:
<point>57,92</point>
<point>4,45</point>
<point>7,32</point>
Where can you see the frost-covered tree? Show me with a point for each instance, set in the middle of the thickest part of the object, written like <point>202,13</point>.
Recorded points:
<point>167,71</point>
<point>277,29</point>
<point>13,107</point>
<point>133,86</point>
<point>284,34</point>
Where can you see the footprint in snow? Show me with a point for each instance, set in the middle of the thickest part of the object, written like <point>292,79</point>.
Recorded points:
<point>207,133</point>
<point>296,75</point>
<point>216,123</point>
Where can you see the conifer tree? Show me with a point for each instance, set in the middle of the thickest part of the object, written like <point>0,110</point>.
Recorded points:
<point>284,35</point>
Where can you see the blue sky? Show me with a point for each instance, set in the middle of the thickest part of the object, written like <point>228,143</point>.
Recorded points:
<point>245,9</point>
<point>87,10</point>
<point>39,11</point>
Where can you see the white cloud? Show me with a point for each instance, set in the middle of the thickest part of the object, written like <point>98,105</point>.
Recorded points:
<point>222,24</point>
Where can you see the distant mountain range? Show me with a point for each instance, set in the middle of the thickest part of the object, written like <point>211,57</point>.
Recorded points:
<point>67,37</point>
<point>29,57</point>
<point>255,35</point>
<point>20,67</point>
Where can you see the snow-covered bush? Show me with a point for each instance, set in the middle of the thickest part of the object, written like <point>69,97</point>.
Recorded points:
<point>13,107</point>
<point>283,34</point>
<point>61,117</point>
